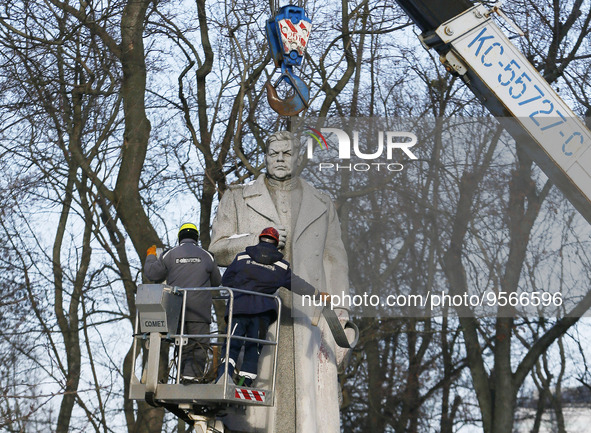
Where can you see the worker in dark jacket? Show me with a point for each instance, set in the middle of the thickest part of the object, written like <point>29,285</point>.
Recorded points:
<point>261,268</point>
<point>187,266</point>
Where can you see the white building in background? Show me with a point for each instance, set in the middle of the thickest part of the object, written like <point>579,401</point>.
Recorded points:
<point>577,419</point>
<point>576,411</point>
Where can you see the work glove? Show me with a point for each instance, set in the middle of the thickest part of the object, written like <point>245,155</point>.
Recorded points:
<point>152,250</point>
<point>325,297</point>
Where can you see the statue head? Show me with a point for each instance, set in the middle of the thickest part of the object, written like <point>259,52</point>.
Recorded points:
<point>279,158</point>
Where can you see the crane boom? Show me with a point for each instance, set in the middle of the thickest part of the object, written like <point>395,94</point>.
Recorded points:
<point>471,45</point>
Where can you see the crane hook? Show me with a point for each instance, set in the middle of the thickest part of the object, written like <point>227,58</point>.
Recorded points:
<point>292,105</point>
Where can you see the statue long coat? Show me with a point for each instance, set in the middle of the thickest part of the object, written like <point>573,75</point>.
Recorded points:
<point>319,257</point>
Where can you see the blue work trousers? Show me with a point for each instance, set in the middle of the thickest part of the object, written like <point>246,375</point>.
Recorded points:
<point>251,326</point>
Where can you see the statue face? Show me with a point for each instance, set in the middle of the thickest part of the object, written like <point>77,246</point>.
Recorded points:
<point>279,160</point>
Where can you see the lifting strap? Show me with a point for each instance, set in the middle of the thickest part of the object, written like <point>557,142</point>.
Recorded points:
<point>338,331</point>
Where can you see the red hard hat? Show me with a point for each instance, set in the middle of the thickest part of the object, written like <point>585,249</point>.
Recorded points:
<point>270,232</point>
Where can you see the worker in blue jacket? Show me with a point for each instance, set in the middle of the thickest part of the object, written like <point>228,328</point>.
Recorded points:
<point>261,268</point>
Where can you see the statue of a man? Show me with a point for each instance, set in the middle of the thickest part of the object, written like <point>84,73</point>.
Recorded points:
<point>307,389</point>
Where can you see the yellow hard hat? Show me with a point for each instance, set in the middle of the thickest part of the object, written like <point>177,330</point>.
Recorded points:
<point>188,230</point>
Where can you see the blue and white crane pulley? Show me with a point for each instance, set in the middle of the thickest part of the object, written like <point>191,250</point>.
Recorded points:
<point>288,33</point>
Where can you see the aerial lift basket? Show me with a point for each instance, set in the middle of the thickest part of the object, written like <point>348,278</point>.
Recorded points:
<point>160,318</point>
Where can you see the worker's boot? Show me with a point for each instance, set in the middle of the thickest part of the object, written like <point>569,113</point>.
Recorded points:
<point>244,381</point>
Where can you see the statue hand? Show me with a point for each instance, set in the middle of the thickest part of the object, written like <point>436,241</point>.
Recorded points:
<point>282,237</point>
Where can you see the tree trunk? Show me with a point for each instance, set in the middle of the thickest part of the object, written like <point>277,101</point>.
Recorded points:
<point>375,371</point>
<point>127,200</point>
